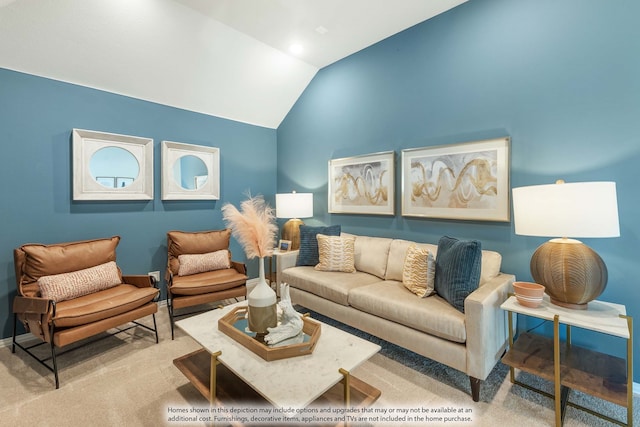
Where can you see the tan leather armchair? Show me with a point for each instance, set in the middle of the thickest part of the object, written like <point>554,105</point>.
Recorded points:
<point>71,291</point>
<point>200,270</point>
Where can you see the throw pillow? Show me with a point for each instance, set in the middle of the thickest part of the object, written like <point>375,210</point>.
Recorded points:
<point>308,254</point>
<point>458,264</point>
<point>419,271</point>
<point>65,286</point>
<point>336,253</point>
<point>200,263</point>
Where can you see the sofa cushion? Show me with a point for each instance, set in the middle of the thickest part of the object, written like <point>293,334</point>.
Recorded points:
<point>308,254</point>
<point>398,253</point>
<point>336,253</point>
<point>102,305</point>
<point>419,271</point>
<point>392,301</point>
<point>491,263</point>
<point>64,286</point>
<point>331,285</point>
<point>458,265</point>
<point>371,254</point>
<point>200,263</point>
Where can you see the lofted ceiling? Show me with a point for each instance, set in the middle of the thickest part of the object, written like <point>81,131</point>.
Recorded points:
<point>226,58</point>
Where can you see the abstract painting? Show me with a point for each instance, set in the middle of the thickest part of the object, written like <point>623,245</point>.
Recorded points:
<point>362,184</point>
<point>467,181</point>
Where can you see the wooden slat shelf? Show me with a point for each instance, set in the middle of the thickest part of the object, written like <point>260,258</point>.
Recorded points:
<point>597,374</point>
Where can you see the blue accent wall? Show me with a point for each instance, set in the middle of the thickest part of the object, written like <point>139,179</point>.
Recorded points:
<point>37,116</point>
<point>561,78</point>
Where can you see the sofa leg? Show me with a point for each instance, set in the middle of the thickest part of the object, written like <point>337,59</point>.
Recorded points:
<point>475,388</point>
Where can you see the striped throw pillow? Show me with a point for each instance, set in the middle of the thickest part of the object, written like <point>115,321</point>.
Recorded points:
<point>418,274</point>
<point>458,264</point>
<point>336,253</point>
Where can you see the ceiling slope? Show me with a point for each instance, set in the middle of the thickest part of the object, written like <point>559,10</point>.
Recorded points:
<point>224,58</point>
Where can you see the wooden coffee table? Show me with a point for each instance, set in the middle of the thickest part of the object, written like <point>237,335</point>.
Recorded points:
<point>297,382</point>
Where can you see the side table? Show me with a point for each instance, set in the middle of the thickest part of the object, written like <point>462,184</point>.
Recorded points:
<point>572,367</point>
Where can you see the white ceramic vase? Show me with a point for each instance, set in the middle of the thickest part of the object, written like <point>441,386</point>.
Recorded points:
<point>262,305</point>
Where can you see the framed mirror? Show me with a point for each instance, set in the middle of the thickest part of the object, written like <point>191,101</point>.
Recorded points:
<point>108,166</point>
<point>190,172</point>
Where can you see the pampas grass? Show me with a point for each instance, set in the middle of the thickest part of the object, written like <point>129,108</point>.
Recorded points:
<point>254,226</point>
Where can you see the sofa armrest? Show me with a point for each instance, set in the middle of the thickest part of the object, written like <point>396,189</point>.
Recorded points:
<point>139,280</point>
<point>486,325</point>
<point>286,260</point>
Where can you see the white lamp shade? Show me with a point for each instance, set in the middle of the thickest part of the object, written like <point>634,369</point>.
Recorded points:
<point>294,205</point>
<point>586,209</point>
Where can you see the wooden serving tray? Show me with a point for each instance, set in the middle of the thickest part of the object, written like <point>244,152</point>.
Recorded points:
<point>227,325</point>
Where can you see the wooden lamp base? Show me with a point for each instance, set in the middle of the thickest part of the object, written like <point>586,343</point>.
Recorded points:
<point>291,231</point>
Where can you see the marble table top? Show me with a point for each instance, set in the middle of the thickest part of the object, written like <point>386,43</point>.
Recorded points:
<point>287,383</point>
<point>599,316</point>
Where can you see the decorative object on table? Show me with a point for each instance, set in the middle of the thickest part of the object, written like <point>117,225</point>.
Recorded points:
<point>289,329</point>
<point>255,229</point>
<point>528,294</point>
<point>362,184</point>
<point>234,323</point>
<point>284,245</point>
<point>572,273</point>
<point>293,206</point>
<point>468,181</point>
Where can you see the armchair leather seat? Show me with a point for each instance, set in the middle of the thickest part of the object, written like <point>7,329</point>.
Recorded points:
<point>210,281</point>
<point>101,305</point>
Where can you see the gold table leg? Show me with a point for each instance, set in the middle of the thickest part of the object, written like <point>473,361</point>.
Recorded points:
<point>212,377</point>
<point>346,382</point>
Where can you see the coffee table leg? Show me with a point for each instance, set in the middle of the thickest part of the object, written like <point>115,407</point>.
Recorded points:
<point>346,382</point>
<point>212,378</point>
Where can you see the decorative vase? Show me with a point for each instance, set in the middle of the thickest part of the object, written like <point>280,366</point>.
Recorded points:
<point>262,305</point>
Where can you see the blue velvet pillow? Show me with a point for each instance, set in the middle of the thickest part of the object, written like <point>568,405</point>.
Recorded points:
<point>308,254</point>
<point>458,265</point>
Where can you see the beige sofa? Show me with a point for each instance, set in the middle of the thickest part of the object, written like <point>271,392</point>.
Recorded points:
<point>374,300</point>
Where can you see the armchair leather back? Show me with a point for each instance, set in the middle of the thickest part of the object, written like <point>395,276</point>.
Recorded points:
<point>34,260</point>
<point>197,242</point>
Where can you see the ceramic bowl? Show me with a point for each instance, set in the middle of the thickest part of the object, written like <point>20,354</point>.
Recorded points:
<point>528,294</point>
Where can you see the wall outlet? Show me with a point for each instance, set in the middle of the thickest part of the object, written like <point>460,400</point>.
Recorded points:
<point>155,275</point>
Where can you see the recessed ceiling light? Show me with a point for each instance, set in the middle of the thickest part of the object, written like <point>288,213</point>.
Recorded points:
<point>321,30</point>
<point>296,48</point>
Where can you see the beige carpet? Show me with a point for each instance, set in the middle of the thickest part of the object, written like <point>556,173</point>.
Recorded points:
<point>129,380</point>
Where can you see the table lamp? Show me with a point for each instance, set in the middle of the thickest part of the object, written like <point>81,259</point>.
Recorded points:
<point>293,206</point>
<point>571,272</point>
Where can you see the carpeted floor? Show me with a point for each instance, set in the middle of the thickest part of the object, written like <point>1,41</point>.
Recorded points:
<point>129,380</point>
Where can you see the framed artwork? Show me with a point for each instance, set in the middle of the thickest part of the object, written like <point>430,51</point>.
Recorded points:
<point>362,184</point>
<point>109,166</point>
<point>467,181</point>
<point>190,172</point>
<point>284,245</point>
